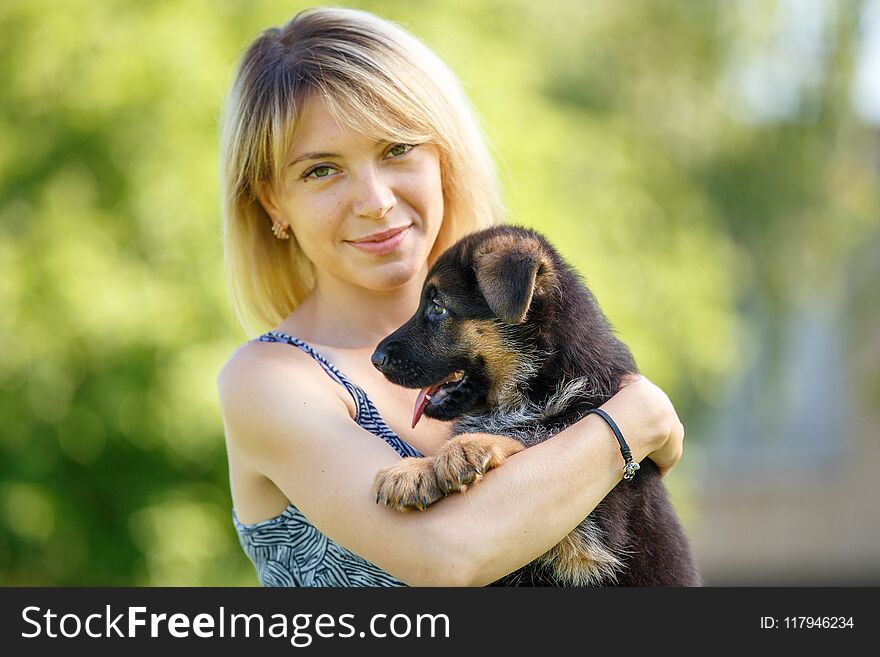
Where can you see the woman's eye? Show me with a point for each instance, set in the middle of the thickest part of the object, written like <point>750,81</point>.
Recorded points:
<point>320,171</point>
<point>399,149</point>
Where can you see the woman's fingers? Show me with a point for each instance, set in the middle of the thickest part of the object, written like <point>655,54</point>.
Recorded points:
<point>651,418</point>
<point>671,452</point>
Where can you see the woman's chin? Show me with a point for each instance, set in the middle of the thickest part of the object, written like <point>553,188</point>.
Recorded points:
<point>392,275</point>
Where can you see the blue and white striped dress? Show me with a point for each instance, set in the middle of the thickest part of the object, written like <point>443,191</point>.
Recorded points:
<point>288,550</point>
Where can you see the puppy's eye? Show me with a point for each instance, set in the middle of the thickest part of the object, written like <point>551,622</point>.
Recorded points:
<point>436,310</point>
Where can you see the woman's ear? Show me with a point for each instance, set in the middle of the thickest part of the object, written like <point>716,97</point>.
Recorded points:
<point>269,200</point>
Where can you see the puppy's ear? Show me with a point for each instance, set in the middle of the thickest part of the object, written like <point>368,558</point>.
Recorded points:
<point>508,271</point>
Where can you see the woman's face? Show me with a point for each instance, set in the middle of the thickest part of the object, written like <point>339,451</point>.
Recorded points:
<point>363,211</point>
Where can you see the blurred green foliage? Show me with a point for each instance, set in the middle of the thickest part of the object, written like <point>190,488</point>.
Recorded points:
<point>618,133</point>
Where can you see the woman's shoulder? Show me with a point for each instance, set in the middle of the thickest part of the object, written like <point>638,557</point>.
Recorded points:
<point>259,372</point>
<point>254,357</point>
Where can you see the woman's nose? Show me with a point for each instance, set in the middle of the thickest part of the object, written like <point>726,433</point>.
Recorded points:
<point>374,198</point>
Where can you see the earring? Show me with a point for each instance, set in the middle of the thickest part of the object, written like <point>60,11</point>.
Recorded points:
<point>280,231</point>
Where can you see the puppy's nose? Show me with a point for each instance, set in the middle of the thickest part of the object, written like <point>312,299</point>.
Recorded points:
<point>379,358</point>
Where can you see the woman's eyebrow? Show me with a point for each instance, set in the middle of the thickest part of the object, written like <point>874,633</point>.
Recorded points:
<point>313,156</point>
<point>321,155</point>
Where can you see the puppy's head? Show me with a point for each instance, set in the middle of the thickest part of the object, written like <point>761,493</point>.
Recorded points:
<point>471,344</point>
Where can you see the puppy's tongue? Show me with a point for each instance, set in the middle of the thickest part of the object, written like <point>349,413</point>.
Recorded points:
<point>421,401</point>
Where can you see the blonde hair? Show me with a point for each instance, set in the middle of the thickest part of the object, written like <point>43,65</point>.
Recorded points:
<point>373,76</point>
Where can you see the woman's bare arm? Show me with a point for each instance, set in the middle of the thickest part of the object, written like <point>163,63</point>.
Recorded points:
<point>296,431</point>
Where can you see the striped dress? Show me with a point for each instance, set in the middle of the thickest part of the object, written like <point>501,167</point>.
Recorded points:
<point>288,550</point>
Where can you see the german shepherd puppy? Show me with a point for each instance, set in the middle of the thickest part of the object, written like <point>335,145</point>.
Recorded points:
<point>508,341</point>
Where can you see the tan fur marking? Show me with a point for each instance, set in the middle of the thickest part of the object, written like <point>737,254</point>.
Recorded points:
<point>464,459</point>
<point>581,558</point>
<point>408,485</point>
<point>508,243</point>
<point>416,483</point>
<point>503,362</point>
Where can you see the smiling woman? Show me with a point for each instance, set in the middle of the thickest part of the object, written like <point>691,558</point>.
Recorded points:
<point>302,91</point>
<point>351,159</point>
<point>349,199</point>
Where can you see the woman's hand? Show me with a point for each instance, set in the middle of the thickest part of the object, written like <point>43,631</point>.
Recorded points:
<point>648,421</point>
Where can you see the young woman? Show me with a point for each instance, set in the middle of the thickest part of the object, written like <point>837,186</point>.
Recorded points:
<point>351,159</point>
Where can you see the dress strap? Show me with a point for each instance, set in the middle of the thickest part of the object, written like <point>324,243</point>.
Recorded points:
<point>326,365</point>
<point>367,415</point>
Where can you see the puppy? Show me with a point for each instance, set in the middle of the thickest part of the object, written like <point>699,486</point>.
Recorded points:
<point>508,341</point>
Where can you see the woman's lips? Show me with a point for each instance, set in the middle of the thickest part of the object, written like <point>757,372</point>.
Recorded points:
<point>382,243</point>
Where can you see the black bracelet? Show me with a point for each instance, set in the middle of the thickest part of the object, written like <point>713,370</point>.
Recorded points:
<point>630,466</point>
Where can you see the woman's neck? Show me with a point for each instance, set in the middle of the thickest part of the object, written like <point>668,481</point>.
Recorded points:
<point>343,315</point>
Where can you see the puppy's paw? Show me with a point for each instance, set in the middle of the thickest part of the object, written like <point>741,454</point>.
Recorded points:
<point>408,485</point>
<point>464,459</point>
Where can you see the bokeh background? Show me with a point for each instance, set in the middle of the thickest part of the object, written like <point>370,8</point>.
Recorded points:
<point>711,167</point>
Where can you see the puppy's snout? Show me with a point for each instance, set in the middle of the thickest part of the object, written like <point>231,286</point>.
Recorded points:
<point>380,357</point>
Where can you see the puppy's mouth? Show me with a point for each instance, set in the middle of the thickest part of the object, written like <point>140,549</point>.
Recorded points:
<point>435,394</point>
